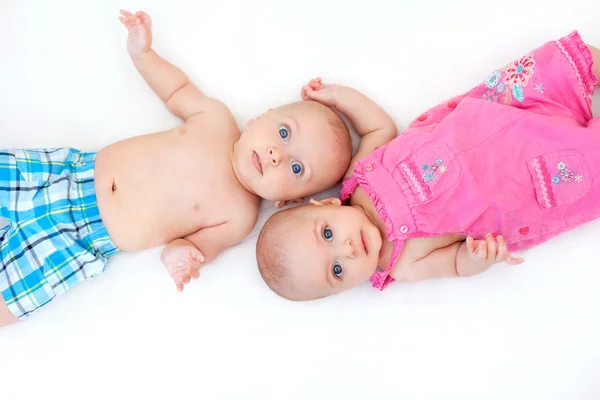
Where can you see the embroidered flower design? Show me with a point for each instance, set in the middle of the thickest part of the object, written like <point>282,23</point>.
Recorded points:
<point>500,87</point>
<point>490,95</point>
<point>506,96</point>
<point>493,79</point>
<point>519,71</point>
<point>432,170</point>
<point>565,175</point>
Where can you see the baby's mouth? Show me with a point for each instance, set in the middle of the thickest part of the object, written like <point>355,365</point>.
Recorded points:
<point>364,242</point>
<point>256,162</point>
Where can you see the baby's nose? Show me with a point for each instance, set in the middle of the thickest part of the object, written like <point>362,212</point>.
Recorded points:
<point>349,248</point>
<point>275,155</point>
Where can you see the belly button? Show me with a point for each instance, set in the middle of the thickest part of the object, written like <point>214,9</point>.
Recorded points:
<point>114,186</point>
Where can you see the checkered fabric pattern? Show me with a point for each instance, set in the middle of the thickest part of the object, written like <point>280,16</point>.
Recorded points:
<point>54,237</point>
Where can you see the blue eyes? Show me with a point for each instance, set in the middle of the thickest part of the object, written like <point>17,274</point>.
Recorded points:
<point>297,168</point>
<point>337,270</point>
<point>284,132</point>
<point>328,234</point>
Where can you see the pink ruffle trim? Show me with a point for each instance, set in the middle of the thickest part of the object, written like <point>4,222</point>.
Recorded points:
<point>580,57</point>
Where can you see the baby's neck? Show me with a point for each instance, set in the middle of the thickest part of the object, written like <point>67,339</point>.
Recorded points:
<point>376,220</point>
<point>237,175</point>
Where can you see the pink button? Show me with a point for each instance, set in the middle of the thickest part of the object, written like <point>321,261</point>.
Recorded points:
<point>369,167</point>
<point>422,117</point>
<point>524,230</point>
<point>452,104</point>
<point>403,229</point>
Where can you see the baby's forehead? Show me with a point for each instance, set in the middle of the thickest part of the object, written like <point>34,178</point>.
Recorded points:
<point>295,224</point>
<point>307,110</point>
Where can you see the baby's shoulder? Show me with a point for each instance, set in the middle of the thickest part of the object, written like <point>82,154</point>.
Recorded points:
<point>216,117</point>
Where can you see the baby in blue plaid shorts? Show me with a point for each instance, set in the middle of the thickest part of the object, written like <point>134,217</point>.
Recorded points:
<point>195,188</point>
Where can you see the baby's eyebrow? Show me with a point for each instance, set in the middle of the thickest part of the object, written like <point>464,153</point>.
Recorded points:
<point>328,278</point>
<point>316,233</point>
<point>295,124</point>
<point>317,236</point>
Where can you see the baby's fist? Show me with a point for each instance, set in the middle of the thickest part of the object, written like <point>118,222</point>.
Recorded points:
<point>183,263</point>
<point>139,27</point>
<point>491,250</point>
<point>317,91</point>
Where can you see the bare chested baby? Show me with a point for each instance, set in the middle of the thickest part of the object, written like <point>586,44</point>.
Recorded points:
<point>195,188</point>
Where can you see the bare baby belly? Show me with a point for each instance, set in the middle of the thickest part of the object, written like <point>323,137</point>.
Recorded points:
<point>127,207</point>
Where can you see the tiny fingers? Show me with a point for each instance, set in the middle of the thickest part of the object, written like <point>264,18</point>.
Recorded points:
<point>502,249</point>
<point>477,248</point>
<point>514,260</point>
<point>482,250</point>
<point>145,18</point>
<point>315,83</point>
<point>504,255</point>
<point>307,92</point>
<point>470,243</point>
<point>198,256</point>
<point>492,247</point>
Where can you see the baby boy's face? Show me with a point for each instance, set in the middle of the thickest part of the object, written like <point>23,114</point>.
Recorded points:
<point>331,249</point>
<point>287,153</point>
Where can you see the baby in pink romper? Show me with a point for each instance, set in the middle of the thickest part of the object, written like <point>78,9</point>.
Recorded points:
<point>510,164</point>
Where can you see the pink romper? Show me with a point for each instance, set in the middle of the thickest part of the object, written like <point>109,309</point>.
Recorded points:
<point>519,155</point>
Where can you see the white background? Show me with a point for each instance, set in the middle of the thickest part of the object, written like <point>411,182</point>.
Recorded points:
<point>527,332</point>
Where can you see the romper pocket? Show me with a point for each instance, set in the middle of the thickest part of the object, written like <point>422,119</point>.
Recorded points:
<point>560,178</point>
<point>430,171</point>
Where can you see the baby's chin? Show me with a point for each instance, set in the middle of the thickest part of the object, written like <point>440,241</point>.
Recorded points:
<point>267,194</point>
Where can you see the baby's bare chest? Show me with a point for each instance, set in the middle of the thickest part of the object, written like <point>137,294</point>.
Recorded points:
<point>171,183</point>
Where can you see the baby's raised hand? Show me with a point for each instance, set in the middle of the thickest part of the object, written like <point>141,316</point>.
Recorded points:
<point>317,91</point>
<point>139,26</point>
<point>183,263</point>
<point>489,251</point>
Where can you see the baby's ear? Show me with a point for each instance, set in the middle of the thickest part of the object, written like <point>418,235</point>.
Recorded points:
<point>325,202</point>
<point>280,204</point>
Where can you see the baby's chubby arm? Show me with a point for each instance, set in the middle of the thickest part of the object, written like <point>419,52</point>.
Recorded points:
<point>447,256</point>
<point>170,84</point>
<point>373,125</point>
<point>184,257</point>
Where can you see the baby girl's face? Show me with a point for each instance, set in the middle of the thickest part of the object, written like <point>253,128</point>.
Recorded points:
<point>332,249</point>
<point>288,153</point>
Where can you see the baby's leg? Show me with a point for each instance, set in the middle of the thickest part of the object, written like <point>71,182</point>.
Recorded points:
<point>6,317</point>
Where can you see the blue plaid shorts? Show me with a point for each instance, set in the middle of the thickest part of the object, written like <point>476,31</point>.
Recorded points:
<point>54,237</point>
